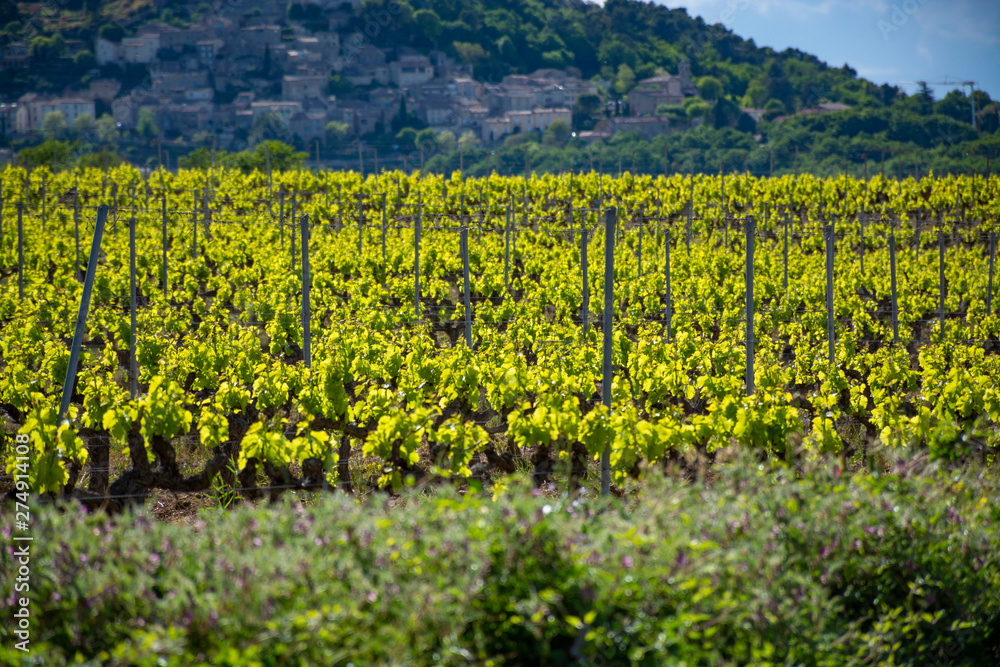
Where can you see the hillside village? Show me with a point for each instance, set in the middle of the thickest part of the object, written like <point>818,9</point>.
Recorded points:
<point>317,82</point>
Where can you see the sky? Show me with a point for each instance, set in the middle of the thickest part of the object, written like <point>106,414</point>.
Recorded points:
<point>884,41</point>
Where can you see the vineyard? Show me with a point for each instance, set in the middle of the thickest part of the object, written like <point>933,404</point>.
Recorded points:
<point>263,333</point>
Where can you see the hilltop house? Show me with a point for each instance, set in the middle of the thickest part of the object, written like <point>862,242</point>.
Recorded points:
<point>670,89</point>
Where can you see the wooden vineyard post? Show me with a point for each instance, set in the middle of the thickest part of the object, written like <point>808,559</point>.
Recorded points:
<point>206,215</point>
<point>361,224</point>
<point>416,258</point>
<point>725,232</point>
<point>81,319</point>
<point>43,201</point>
<point>76,230</point>
<point>690,210</point>
<point>892,281</point>
<point>506,252</point>
<point>482,218</point>
<point>114,208</point>
<point>163,234</point>
<point>340,207</point>
<point>829,295</point>
<point>20,252</point>
<point>585,276</point>
<point>785,255</point>
<point>133,365</point>
<point>291,224</point>
<point>619,220</point>
<point>861,249</point>
<point>610,223</point>
<point>722,210</point>
<point>383,230</point>
<point>281,214</point>
<point>668,306</point>
<point>941,286</point>
<point>989,284</point>
<point>750,230</point>
<point>306,334</point>
<point>194,227</point>
<point>641,213</point>
<point>466,297</point>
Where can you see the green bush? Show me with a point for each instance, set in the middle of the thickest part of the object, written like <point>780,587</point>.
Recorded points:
<point>758,568</point>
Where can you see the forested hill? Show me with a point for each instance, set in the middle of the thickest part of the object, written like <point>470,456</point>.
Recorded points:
<point>623,41</point>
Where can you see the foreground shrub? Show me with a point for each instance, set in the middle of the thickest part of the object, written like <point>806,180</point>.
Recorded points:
<point>756,568</point>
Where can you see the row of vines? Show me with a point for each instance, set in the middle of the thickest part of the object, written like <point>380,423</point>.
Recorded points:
<point>220,345</point>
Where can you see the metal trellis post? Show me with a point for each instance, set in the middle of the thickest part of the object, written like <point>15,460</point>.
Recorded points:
<point>81,319</point>
<point>610,223</point>
<point>306,315</point>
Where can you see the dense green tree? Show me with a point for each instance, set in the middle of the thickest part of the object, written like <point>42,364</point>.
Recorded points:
<point>955,104</point>
<point>710,88</point>
<point>428,23</point>
<point>426,140</point>
<point>84,60</point>
<point>85,128</point>
<point>47,152</point>
<point>282,156</point>
<point>625,80</point>
<point>404,118</point>
<point>146,124</point>
<point>988,118</point>
<point>406,139</point>
<point>505,47</point>
<point>47,49</point>
<point>614,53</point>
<point>778,86</point>
<point>695,107</point>
<point>111,32</point>
<point>557,133</point>
<point>470,53</point>
<point>339,85</point>
<point>54,125</point>
<point>446,141</point>
<point>755,97</point>
<point>107,130</point>
<point>468,140</point>
<point>773,109</point>
<point>676,113</point>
